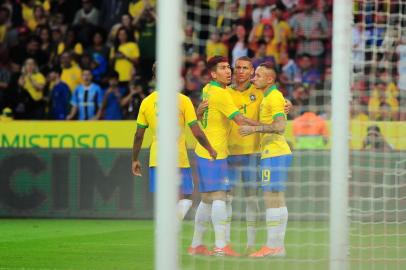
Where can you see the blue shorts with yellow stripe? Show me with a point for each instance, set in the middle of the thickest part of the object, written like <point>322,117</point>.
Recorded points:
<point>274,173</point>
<point>186,187</point>
<point>213,174</point>
<point>245,168</point>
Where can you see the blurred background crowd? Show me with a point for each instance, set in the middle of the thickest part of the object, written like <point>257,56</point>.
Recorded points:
<point>92,59</point>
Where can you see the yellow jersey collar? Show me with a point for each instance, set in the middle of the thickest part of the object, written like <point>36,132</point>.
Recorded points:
<point>270,89</point>
<point>214,83</point>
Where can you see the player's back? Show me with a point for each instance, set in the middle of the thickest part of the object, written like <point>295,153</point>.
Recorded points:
<point>216,122</point>
<point>271,107</point>
<point>248,103</point>
<point>149,110</point>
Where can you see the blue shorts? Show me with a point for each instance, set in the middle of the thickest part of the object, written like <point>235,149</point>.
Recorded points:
<point>274,172</point>
<point>213,175</point>
<point>243,167</point>
<point>186,187</point>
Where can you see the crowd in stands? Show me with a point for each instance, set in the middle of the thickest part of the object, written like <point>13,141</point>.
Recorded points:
<point>88,59</point>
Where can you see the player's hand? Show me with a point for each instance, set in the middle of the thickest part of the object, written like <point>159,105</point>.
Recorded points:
<point>288,106</point>
<point>136,168</point>
<point>246,130</point>
<point>213,154</point>
<point>201,108</point>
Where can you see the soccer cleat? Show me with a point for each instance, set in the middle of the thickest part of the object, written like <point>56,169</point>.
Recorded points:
<point>269,252</point>
<point>225,251</point>
<point>199,250</point>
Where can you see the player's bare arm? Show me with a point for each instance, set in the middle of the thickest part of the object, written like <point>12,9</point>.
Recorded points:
<point>202,139</point>
<point>201,108</point>
<point>278,126</point>
<point>138,138</point>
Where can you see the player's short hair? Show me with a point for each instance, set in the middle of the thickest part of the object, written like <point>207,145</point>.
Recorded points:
<point>269,66</point>
<point>212,63</point>
<point>244,58</point>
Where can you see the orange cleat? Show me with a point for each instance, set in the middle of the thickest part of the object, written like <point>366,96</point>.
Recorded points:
<point>199,250</point>
<point>269,252</point>
<point>225,251</point>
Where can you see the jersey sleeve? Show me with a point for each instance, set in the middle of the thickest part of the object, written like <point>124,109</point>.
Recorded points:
<point>277,102</point>
<point>190,114</point>
<point>226,106</point>
<point>142,121</point>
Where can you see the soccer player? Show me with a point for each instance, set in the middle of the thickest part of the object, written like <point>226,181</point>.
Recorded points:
<point>276,158</point>
<point>213,175</point>
<point>147,118</point>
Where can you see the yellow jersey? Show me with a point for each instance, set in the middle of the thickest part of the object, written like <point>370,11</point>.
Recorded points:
<point>72,77</point>
<point>272,106</point>
<point>37,78</point>
<point>248,103</point>
<point>123,66</point>
<point>147,118</point>
<point>216,122</point>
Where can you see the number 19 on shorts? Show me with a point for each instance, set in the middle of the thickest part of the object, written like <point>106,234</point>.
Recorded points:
<point>266,176</point>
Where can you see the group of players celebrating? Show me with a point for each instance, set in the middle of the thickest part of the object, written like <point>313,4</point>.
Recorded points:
<point>233,124</point>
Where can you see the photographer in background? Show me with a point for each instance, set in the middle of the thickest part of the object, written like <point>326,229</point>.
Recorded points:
<point>375,140</point>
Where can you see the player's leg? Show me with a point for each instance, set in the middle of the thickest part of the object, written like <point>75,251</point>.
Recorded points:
<point>186,190</point>
<point>274,172</point>
<point>250,181</point>
<point>234,177</point>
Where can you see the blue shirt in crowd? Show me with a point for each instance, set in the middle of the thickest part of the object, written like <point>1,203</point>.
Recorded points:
<point>114,111</point>
<point>60,97</point>
<point>88,100</point>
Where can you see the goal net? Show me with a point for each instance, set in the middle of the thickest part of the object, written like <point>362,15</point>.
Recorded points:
<point>299,44</point>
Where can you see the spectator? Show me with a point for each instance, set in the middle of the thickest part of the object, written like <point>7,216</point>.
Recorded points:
<point>375,140</point>
<point>32,50</point>
<point>359,112</point>
<point>262,11</point>
<point>113,99</point>
<point>308,74</point>
<point>5,76</point>
<point>147,40</point>
<point>138,9</point>
<point>39,19</point>
<point>401,65</point>
<point>111,11</point>
<point>241,46</point>
<point>71,74</point>
<point>261,56</point>
<point>215,46</point>
<point>132,101</point>
<point>88,14</point>
<point>99,52</point>
<point>358,47</point>
<point>71,45</point>
<point>87,99</point>
<point>382,104</point>
<point>190,49</point>
<point>59,95</point>
<point>4,23</point>
<point>310,131</point>
<point>32,82</point>
<point>310,28</point>
<point>290,73</point>
<point>126,22</point>
<point>124,55</point>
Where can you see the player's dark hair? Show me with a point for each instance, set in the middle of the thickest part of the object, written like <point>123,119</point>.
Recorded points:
<point>212,63</point>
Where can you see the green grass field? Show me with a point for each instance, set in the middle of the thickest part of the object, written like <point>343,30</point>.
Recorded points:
<point>128,244</point>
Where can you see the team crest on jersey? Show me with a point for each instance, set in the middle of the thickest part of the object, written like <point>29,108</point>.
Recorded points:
<point>253,97</point>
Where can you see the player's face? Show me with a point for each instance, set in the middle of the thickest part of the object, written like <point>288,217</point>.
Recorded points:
<point>222,73</point>
<point>243,71</point>
<point>263,78</point>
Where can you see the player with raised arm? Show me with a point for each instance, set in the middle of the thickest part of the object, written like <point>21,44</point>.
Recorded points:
<point>213,175</point>
<point>276,158</point>
<point>147,118</point>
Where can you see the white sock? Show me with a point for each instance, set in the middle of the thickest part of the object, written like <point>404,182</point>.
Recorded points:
<point>273,223</point>
<point>183,207</point>
<point>284,221</point>
<point>219,219</point>
<point>229,206</point>
<point>202,220</point>
<point>251,219</point>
